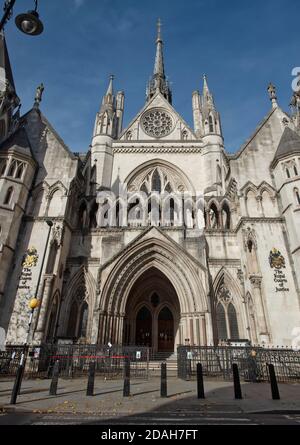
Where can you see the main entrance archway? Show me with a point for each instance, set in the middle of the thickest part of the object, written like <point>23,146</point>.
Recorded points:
<point>152,313</point>
<point>153,272</point>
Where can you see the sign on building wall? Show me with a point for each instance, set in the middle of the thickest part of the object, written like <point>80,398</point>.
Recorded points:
<point>29,261</point>
<point>277,262</point>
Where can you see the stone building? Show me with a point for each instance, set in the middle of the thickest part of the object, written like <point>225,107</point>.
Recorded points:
<point>149,281</point>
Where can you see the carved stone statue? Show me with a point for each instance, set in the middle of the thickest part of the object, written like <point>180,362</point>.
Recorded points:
<point>272,91</point>
<point>39,95</point>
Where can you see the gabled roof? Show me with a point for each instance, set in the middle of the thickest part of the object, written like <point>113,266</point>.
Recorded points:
<point>18,140</point>
<point>45,121</point>
<point>151,104</point>
<point>288,145</point>
<point>256,131</point>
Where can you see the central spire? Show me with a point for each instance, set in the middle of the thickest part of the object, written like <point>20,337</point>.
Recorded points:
<point>159,68</point>
<point>159,81</point>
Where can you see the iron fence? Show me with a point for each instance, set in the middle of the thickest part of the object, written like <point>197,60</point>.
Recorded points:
<point>252,362</point>
<point>74,361</point>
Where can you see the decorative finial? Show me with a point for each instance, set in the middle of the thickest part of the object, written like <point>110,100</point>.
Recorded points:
<point>159,26</point>
<point>272,94</point>
<point>39,95</point>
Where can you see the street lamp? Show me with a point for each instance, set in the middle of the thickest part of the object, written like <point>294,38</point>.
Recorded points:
<point>33,304</point>
<point>29,23</point>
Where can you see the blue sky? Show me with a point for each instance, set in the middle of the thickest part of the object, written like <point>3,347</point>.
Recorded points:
<point>241,46</point>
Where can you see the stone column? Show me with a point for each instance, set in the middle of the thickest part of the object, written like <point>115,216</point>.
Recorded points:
<point>108,329</point>
<point>192,338</point>
<point>100,328</point>
<point>203,331</point>
<point>104,328</point>
<point>121,328</point>
<point>39,333</point>
<point>263,333</point>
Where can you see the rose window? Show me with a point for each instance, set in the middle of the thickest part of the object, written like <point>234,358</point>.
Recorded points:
<point>157,123</point>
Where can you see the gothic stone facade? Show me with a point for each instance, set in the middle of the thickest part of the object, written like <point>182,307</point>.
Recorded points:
<point>149,283</point>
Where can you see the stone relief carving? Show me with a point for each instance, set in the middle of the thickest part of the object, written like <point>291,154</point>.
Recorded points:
<point>57,234</point>
<point>249,235</point>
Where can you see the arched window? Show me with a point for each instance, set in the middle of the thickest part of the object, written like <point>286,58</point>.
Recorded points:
<point>72,324</point>
<point>8,196</point>
<point>20,171</point>
<point>288,173</point>
<point>12,168</point>
<point>213,217</point>
<point>233,323</point>
<point>156,182</point>
<point>226,217</point>
<point>227,321</point>
<point>221,322</point>
<point>295,170</point>
<point>56,203</point>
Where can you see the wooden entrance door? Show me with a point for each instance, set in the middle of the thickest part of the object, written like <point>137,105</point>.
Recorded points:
<point>143,335</point>
<point>165,331</point>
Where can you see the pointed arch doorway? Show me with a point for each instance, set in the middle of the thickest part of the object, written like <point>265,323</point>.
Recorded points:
<point>152,313</point>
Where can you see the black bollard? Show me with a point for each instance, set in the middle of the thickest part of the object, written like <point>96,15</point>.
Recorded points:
<point>17,385</point>
<point>163,384</point>
<point>91,380</point>
<point>126,388</point>
<point>200,384</point>
<point>273,381</point>
<point>54,381</point>
<point>21,379</point>
<point>237,383</point>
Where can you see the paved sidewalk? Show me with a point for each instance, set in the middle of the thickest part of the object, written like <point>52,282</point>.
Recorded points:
<point>145,398</point>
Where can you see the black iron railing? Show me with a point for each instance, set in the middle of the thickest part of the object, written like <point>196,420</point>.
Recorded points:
<point>74,360</point>
<point>252,362</point>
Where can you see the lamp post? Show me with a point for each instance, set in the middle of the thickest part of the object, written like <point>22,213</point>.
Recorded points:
<point>29,23</point>
<point>33,304</point>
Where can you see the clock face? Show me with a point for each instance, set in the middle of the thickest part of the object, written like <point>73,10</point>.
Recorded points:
<point>157,123</point>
